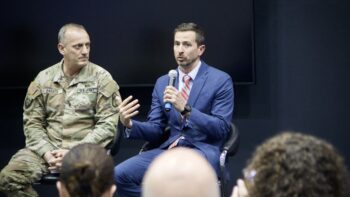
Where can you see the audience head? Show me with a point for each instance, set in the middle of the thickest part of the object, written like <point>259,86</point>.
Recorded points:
<point>295,164</point>
<point>180,172</point>
<point>87,171</point>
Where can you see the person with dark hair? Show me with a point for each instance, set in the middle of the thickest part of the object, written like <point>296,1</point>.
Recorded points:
<point>200,116</point>
<point>294,164</point>
<point>72,102</point>
<point>87,171</point>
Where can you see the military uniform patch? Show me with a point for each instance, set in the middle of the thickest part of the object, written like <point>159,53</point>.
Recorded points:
<point>33,91</point>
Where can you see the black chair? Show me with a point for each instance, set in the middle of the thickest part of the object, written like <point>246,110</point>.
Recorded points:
<point>229,149</point>
<point>112,149</point>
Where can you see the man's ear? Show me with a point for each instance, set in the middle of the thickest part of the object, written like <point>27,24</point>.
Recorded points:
<point>201,49</point>
<point>113,189</point>
<point>110,192</point>
<point>60,48</point>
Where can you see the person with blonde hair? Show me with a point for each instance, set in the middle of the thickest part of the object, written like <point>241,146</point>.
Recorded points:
<point>87,171</point>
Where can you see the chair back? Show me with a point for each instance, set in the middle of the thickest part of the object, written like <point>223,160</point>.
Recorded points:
<point>115,144</point>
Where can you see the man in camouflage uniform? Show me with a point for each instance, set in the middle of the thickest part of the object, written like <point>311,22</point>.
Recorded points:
<point>71,102</point>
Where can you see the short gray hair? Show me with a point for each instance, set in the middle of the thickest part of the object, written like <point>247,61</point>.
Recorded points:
<point>64,28</point>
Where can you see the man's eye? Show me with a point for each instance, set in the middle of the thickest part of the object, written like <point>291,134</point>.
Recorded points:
<point>78,46</point>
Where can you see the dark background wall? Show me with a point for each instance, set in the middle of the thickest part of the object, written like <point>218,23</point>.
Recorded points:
<point>130,38</point>
<point>302,63</point>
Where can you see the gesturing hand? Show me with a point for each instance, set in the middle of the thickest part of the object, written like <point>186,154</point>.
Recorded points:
<point>127,110</point>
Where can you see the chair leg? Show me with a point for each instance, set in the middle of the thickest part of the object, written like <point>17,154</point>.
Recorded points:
<point>222,188</point>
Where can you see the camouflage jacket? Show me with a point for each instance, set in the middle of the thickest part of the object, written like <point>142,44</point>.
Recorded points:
<point>61,113</point>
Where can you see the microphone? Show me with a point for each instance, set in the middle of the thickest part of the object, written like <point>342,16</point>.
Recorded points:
<point>172,76</point>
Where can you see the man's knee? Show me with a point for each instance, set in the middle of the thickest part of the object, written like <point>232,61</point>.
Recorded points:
<point>3,180</point>
<point>8,180</point>
<point>14,183</point>
<point>18,175</point>
<point>120,174</point>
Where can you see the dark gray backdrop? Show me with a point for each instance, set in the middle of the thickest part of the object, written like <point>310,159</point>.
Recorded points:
<point>302,68</point>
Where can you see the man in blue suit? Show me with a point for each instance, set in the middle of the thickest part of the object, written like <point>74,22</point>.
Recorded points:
<point>202,107</point>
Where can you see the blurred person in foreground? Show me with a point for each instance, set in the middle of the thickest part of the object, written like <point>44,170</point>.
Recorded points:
<point>87,171</point>
<point>180,172</point>
<point>294,165</point>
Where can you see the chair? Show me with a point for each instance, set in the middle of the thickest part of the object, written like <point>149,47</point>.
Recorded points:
<point>229,149</point>
<point>112,149</point>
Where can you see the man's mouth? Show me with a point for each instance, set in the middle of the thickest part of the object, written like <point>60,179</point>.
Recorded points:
<point>180,59</point>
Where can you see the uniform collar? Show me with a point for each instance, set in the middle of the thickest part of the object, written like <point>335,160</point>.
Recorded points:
<point>83,76</point>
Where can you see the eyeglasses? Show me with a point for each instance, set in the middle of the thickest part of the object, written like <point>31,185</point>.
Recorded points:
<point>249,175</point>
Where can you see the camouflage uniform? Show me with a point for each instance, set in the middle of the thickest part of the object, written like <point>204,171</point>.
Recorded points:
<point>60,113</point>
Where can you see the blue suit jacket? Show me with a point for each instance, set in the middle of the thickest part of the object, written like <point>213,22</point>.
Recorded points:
<point>211,98</point>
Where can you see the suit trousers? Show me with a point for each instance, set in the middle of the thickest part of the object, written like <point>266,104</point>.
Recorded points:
<point>128,175</point>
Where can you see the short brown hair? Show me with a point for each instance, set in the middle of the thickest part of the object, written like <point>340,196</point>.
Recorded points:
<point>87,170</point>
<point>200,39</point>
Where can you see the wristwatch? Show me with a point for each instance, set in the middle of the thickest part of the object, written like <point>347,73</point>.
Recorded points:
<point>186,110</point>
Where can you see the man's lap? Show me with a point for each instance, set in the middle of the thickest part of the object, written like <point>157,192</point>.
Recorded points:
<point>136,166</point>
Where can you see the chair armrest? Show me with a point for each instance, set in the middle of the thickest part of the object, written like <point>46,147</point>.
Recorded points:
<point>113,149</point>
<point>232,143</point>
<point>229,148</point>
<point>48,179</point>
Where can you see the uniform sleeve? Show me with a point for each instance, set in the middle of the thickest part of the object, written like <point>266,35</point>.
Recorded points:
<point>34,121</point>
<point>107,115</point>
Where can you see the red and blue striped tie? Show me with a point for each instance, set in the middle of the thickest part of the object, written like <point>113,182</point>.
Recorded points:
<point>185,91</point>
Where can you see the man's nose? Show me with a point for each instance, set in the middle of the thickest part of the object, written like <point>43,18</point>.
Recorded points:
<point>181,48</point>
<point>85,50</point>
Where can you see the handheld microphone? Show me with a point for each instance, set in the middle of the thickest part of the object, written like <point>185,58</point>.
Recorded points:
<point>172,77</point>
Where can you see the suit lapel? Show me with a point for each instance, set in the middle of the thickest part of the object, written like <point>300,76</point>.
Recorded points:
<point>198,84</point>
